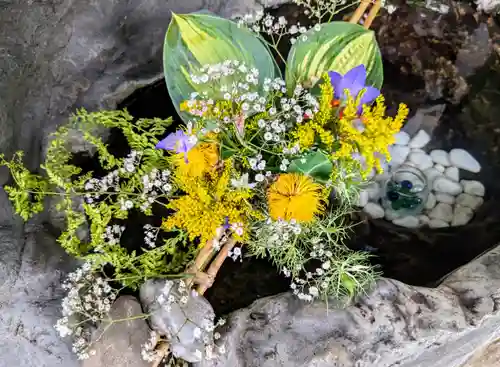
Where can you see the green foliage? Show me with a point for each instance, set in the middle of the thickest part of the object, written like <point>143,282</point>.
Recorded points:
<point>315,164</point>
<point>30,190</point>
<point>315,256</point>
<point>187,40</point>
<point>70,186</point>
<point>338,46</point>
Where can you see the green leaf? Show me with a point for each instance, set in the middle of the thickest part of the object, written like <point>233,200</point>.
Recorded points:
<point>315,164</point>
<point>197,39</point>
<point>227,153</point>
<point>338,46</point>
<point>348,283</point>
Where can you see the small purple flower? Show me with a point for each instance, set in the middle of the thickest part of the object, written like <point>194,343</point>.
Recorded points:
<point>354,81</point>
<point>179,142</point>
<point>226,224</point>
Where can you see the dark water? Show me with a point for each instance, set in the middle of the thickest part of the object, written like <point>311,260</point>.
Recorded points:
<point>425,65</point>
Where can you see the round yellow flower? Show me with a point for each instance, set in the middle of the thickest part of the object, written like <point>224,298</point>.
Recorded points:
<point>294,196</point>
<point>200,159</point>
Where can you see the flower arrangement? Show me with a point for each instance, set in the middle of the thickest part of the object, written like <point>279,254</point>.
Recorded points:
<point>271,163</point>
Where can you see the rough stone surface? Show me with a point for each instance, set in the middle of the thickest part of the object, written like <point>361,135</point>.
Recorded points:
<point>56,56</point>
<point>395,324</point>
<point>182,322</point>
<point>59,55</point>
<point>119,344</point>
<point>32,267</point>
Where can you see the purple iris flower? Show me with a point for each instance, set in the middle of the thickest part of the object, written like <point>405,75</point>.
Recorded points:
<point>179,142</point>
<point>354,81</point>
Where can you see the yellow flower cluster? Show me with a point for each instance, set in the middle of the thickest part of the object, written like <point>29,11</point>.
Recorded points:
<point>294,196</point>
<point>207,201</point>
<point>201,159</point>
<point>377,134</point>
<point>307,133</point>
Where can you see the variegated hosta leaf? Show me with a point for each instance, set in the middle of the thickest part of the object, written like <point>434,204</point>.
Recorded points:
<point>198,39</point>
<point>337,46</point>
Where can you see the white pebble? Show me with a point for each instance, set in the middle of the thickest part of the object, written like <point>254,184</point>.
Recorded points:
<point>439,168</point>
<point>452,173</point>
<point>473,187</point>
<point>445,198</point>
<point>417,150</point>
<point>438,223</point>
<point>470,201</point>
<point>442,211</point>
<point>362,198</point>
<point>399,153</point>
<point>440,157</point>
<point>382,177</point>
<point>462,159</point>
<point>443,184</point>
<point>461,215</point>
<point>423,219</point>
<point>421,160</point>
<point>431,174</point>
<point>390,214</point>
<point>419,140</point>
<point>408,222</point>
<point>431,201</point>
<point>402,138</point>
<point>373,190</point>
<point>374,210</point>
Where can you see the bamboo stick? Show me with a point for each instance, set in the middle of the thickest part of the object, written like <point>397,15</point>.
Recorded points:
<point>361,9</point>
<point>216,265</point>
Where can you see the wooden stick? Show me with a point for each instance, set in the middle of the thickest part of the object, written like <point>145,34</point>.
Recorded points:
<point>372,14</point>
<point>162,350</point>
<point>204,256</point>
<point>216,265</point>
<point>360,10</point>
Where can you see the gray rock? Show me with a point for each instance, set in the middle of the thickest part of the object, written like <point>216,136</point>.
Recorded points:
<point>57,218</point>
<point>32,267</point>
<point>395,324</point>
<point>57,56</point>
<point>183,322</point>
<point>119,344</point>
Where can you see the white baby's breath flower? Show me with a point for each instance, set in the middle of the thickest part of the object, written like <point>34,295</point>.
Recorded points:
<point>259,177</point>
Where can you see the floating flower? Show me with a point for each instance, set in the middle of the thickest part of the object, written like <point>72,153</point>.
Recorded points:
<point>354,81</point>
<point>180,142</point>
<point>294,196</point>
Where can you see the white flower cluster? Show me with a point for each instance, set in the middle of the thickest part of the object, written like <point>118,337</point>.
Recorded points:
<point>150,235</point>
<point>111,236</point>
<point>88,301</point>
<point>148,352</point>
<point>274,26</point>
<point>155,184</point>
<point>303,288</point>
<point>259,165</point>
<point>281,231</point>
<point>322,8</point>
<point>235,254</point>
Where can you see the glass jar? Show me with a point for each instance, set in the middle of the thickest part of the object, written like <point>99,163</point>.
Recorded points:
<point>405,192</point>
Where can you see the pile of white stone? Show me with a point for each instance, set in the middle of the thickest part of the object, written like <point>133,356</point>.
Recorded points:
<point>451,201</point>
